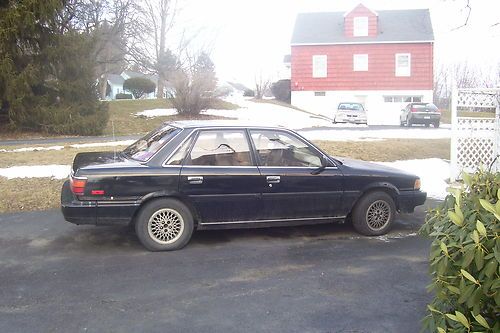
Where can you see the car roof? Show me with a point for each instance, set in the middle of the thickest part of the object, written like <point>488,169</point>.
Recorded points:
<point>194,124</point>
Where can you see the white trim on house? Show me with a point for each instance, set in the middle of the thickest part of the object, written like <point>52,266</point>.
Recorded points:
<point>361,42</point>
<point>356,6</point>
<point>379,112</point>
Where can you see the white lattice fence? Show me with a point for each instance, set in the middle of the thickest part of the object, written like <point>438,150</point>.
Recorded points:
<point>475,141</point>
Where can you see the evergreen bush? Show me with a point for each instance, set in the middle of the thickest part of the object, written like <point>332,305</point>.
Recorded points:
<point>465,257</point>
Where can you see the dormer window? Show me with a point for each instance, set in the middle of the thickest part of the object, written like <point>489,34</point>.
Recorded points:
<point>360,26</point>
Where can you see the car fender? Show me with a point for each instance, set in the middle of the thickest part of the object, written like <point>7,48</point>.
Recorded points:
<point>379,186</point>
<point>171,194</point>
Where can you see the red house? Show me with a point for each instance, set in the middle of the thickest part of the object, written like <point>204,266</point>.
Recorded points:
<point>383,59</point>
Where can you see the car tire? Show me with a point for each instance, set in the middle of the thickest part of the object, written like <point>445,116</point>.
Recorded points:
<point>374,214</point>
<point>164,225</point>
<point>436,124</point>
<point>409,123</point>
<point>401,123</point>
<point>427,124</point>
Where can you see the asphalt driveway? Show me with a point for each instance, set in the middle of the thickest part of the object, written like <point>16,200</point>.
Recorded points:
<point>57,277</point>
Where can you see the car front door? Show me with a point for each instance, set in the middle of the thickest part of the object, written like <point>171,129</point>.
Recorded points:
<point>293,187</point>
<point>220,177</point>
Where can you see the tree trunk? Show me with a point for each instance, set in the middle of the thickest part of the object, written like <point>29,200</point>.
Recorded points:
<point>103,85</point>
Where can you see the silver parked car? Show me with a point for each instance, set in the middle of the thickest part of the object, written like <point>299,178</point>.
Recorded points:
<point>350,113</point>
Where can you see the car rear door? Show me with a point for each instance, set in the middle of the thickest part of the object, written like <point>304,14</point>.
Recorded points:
<point>291,189</point>
<point>220,177</point>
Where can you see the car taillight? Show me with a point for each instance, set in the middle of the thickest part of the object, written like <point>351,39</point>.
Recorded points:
<point>77,185</point>
<point>417,184</point>
<point>413,109</point>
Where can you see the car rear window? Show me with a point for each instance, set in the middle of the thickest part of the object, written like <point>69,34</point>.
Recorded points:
<point>429,106</point>
<point>144,148</point>
<point>351,107</point>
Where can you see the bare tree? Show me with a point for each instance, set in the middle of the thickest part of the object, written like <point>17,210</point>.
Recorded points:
<point>194,84</point>
<point>149,48</point>
<point>262,84</point>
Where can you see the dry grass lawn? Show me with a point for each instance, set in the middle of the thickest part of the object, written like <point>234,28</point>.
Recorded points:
<point>29,194</point>
<point>388,150</point>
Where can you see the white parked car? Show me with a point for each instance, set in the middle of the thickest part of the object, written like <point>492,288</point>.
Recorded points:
<point>350,113</point>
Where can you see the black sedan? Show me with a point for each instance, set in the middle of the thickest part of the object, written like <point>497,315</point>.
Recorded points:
<point>204,175</point>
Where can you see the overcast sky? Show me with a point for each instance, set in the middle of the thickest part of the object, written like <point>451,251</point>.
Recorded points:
<point>246,37</point>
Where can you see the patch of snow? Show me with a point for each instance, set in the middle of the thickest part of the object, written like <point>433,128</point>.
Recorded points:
<point>433,173</point>
<point>27,149</point>
<point>156,113</point>
<point>77,145</point>
<point>104,144</point>
<point>268,114</point>
<point>36,171</point>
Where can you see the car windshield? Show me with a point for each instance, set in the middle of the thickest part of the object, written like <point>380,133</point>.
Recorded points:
<point>147,146</point>
<point>351,107</point>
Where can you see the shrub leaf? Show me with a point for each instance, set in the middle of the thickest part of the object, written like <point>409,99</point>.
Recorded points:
<point>480,319</point>
<point>480,227</point>
<point>455,218</point>
<point>467,275</point>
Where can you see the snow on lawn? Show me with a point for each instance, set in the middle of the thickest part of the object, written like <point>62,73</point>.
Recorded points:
<point>77,145</point>
<point>433,173</point>
<point>318,127</point>
<point>36,171</point>
<point>256,113</point>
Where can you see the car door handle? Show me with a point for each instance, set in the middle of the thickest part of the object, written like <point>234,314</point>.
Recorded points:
<point>195,180</point>
<point>273,179</point>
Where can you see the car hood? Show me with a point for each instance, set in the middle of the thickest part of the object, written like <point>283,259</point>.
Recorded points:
<point>373,167</point>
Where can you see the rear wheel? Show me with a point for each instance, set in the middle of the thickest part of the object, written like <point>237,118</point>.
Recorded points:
<point>409,123</point>
<point>436,124</point>
<point>164,225</point>
<point>427,125</point>
<point>373,214</point>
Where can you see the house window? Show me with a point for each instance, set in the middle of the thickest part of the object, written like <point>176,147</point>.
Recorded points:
<point>319,65</point>
<point>360,26</point>
<point>319,93</point>
<point>401,99</point>
<point>360,62</point>
<point>403,64</point>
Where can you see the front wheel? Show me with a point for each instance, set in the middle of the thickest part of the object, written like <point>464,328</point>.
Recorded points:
<point>164,225</point>
<point>373,214</point>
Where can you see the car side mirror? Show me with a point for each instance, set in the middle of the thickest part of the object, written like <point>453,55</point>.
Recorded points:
<point>324,164</point>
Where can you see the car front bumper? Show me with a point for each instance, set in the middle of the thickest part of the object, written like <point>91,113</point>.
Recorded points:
<point>408,200</point>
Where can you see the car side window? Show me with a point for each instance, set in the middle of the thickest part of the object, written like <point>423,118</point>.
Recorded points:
<point>220,148</point>
<point>276,148</point>
<point>179,155</point>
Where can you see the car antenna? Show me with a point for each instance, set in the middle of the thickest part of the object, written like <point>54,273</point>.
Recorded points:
<point>114,140</point>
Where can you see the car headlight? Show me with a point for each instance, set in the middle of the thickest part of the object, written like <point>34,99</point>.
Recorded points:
<point>417,184</point>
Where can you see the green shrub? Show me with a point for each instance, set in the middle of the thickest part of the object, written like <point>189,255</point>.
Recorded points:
<point>249,93</point>
<point>123,96</point>
<point>465,257</point>
<point>139,86</point>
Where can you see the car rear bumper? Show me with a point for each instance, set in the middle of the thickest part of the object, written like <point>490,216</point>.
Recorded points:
<point>425,118</point>
<point>354,120</point>
<point>408,200</point>
<point>94,212</point>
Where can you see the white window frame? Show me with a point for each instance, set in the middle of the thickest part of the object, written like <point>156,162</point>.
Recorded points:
<point>402,71</point>
<point>360,62</point>
<point>360,26</point>
<point>319,66</point>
